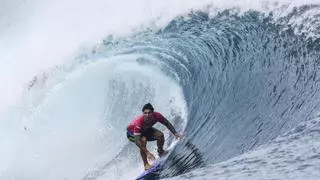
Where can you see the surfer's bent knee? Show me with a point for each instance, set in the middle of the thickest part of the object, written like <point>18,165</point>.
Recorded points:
<point>159,135</point>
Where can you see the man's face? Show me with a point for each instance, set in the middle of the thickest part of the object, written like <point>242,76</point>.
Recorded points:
<point>147,114</point>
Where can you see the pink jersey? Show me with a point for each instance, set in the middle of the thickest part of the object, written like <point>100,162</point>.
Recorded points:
<point>138,124</point>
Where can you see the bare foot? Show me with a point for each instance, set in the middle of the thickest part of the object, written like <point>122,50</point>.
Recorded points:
<point>147,166</point>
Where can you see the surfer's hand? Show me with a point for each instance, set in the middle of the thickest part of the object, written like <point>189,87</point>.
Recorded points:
<point>179,135</point>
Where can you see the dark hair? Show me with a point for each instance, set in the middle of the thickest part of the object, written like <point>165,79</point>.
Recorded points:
<point>147,106</point>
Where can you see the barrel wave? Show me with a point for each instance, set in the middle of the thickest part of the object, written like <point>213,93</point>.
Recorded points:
<point>232,82</point>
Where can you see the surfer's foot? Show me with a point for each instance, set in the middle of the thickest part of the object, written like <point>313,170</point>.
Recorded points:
<point>162,152</point>
<point>147,166</point>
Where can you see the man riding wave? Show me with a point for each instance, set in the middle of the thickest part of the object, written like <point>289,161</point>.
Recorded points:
<point>140,131</point>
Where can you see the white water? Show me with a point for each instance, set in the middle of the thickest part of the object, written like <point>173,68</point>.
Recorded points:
<point>79,124</point>
<point>36,35</point>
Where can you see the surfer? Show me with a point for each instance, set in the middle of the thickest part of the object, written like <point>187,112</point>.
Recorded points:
<point>140,131</point>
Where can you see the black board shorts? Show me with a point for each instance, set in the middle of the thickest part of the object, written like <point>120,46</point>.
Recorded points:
<point>148,133</point>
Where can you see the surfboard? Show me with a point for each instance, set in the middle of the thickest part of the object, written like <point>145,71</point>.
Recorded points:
<point>153,172</point>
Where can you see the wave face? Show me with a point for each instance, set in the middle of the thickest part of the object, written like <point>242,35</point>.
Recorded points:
<point>246,79</point>
<point>251,80</point>
<point>231,81</point>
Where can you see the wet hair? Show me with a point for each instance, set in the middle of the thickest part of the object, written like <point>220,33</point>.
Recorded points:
<point>147,106</point>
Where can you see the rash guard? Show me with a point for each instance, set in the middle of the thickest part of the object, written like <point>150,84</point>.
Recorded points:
<point>138,125</point>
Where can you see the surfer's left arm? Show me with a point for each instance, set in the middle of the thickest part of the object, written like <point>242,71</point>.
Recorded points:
<point>167,123</point>
<point>171,128</point>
